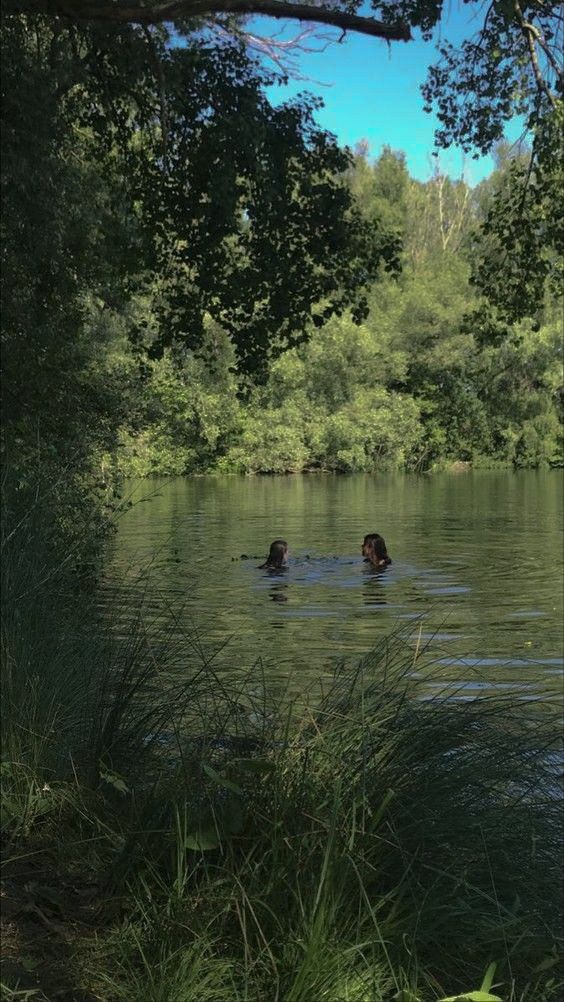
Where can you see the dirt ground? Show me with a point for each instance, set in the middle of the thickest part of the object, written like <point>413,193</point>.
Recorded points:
<point>44,914</point>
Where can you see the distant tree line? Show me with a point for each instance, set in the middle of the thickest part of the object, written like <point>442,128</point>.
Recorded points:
<point>422,382</point>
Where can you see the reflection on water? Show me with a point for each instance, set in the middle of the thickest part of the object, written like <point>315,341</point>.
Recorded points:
<point>278,592</point>
<point>373,592</point>
<point>476,578</point>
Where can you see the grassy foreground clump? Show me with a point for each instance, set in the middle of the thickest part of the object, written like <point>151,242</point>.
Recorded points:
<point>169,835</point>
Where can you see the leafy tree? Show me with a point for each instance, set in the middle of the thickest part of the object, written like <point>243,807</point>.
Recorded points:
<point>108,135</point>
<point>416,385</point>
<point>257,240</point>
<point>189,412</point>
<point>439,218</point>
<point>512,64</point>
<point>520,385</point>
<point>518,249</point>
<point>62,402</point>
<point>381,188</point>
<point>272,440</point>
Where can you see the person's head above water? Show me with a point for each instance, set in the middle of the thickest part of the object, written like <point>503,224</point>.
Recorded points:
<point>278,554</point>
<point>374,550</point>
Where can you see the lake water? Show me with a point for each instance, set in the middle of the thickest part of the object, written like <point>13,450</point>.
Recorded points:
<point>476,576</point>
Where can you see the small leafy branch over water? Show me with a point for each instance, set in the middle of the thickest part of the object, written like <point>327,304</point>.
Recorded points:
<point>172,834</point>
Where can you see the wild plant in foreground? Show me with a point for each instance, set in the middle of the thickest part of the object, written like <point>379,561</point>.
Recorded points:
<point>380,843</point>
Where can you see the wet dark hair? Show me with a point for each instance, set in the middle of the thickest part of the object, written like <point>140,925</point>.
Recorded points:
<point>378,544</point>
<point>276,554</point>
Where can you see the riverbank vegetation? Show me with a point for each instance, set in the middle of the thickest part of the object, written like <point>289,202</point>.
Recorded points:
<point>418,385</point>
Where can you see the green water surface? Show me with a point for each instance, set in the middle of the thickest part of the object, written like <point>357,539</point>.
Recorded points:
<point>476,576</point>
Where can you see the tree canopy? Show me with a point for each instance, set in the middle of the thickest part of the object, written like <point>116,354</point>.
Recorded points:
<point>180,72</point>
<point>239,207</point>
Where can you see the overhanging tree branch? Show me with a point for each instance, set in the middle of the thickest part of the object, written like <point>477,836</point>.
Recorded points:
<point>157,13</point>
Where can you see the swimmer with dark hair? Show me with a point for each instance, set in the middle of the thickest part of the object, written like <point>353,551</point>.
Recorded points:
<point>277,556</point>
<point>374,550</point>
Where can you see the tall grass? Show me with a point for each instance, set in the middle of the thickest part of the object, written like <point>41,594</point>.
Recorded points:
<point>89,705</point>
<point>379,845</point>
<point>390,843</point>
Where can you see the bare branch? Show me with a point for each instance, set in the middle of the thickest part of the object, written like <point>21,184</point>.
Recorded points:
<point>556,67</point>
<point>284,52</point>
<point>531,36</point>
<point>157,13</point>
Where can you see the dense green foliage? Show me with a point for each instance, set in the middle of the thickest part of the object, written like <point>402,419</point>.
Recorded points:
<point>510,63</point>
<point>424,380</point>
<point>118,239</point>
